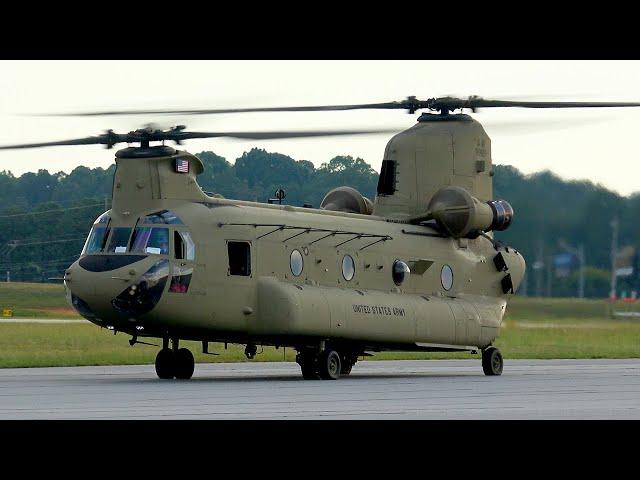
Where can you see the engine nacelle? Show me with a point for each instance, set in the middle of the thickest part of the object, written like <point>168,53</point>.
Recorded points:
<point>462,215</point>
<point>347,199</point>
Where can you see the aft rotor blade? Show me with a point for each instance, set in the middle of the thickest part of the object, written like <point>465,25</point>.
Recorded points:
<point>455,103</point>
<point>312,108</point>
<point>411,104</point>
<point>540,125</point>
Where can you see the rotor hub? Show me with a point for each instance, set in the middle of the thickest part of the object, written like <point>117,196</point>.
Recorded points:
<point>439,117</point>
<point>146,152</point>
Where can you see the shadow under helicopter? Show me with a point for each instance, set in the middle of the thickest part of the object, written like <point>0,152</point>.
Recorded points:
<point>293,377</point>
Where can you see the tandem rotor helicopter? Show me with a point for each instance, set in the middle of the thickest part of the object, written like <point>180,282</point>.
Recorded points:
<point>417,269</point>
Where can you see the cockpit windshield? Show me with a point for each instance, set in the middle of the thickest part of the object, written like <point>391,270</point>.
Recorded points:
<point>119,240</point>
<point>150,240</point>
<point>107,238</point>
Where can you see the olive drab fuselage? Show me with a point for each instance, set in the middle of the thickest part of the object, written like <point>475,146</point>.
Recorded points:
<point>285,275</point>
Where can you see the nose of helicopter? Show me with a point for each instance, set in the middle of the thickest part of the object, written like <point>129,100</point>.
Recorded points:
<point>107,289</point>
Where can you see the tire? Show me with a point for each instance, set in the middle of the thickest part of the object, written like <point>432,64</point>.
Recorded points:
<point>184,364</point>
<point>329,365</point>
<point>165,364</point>
<point>309,372</point>
<point>492,362</point>
<point>307,362</point>
<point>347,363</point>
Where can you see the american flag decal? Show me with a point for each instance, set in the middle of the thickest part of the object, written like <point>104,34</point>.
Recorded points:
<point>182,165</point>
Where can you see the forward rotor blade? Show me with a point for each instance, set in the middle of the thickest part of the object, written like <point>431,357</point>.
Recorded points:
<point>178,135</point>
<point>77,141</point>
<point>283,134</point>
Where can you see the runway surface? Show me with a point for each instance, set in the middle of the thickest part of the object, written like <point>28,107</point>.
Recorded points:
<point>437,389</point>
<point>43,321</point>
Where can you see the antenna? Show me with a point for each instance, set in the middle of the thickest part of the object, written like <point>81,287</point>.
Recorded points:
<point>280,194</point>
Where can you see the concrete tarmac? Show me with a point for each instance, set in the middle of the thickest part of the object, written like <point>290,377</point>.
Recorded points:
<point>44,321</point>
<point>436,389</point>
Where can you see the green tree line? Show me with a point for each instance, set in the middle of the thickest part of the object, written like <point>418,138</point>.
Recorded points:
<point>45,216</point>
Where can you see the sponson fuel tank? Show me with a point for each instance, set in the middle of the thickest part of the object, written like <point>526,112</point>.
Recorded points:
<point>311,311</point>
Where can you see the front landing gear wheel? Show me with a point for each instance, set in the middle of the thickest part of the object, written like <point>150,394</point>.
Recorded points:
<point>165,364</point>
<point>329,365</point>
<point>492,361</point>
<point>184,364</point>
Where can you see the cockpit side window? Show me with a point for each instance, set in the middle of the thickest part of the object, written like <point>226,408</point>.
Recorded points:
<point>104,218</point>
<point>97,239</point>
<point>150,240</point>
<point>190,247</point>
<point>178,246</point>
<point>119,240</point>
<point>183,245</point>
<point>180,279</point>
<point>98,235</point>
<point>166,217</point>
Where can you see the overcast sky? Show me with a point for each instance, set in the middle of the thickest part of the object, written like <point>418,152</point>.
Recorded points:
<point>596,144</point>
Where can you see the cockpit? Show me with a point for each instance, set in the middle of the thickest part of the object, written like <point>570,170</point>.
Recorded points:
<point>109,247</point>
<point>158,252</point>
<point>147,237</point>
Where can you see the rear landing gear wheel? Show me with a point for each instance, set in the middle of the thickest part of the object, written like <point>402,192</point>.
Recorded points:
<point>165,364</point>
<point>329,365</point>
<point>492,362</point>
<point>347,361</point>
<point>307,362</point>
<point>184,364</point>
<point>309,372</point>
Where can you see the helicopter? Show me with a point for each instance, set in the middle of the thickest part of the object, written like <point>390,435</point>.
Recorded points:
<point>416,269</point>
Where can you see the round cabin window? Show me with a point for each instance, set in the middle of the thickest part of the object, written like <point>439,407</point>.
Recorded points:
<point>400,272</point>
<point>446,277</point>
<point>348,267</point>
<point>297,263</point>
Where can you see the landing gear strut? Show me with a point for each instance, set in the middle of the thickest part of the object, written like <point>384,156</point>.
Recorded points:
<point>174,363</point>
<point>250,350</point>
<point>492,362</point>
